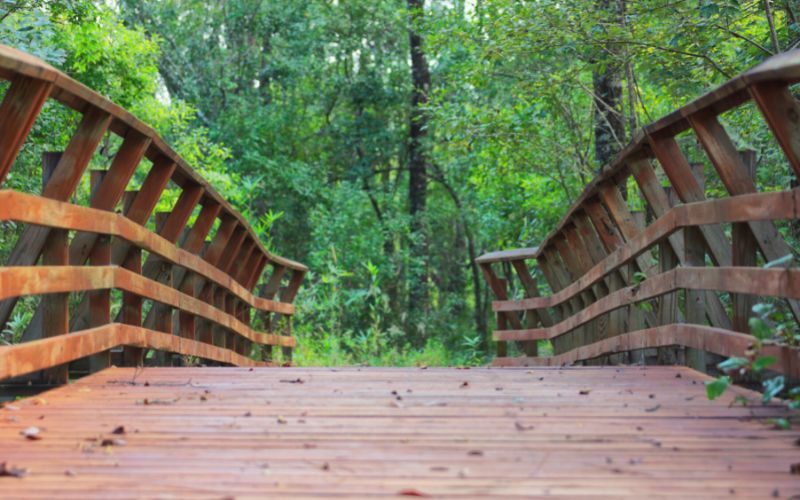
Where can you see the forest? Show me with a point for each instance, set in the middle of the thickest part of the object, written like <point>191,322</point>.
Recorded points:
<point>388,143</point>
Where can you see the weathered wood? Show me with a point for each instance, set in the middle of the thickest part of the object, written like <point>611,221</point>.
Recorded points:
<point>697,338</point>
<point>56,305</point>
<point>738,180</point>
<point>782,113</point>
<point>689,190</point>
<point>100,300</point>
<point>50,213</point>
<point>745,248</point>
<point>20,107</point>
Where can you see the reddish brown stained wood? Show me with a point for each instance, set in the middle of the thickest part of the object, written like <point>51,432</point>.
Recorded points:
<point>100,299</point>
<point>698,337</point>
<point>45,279</point>
<point>342,437</point>
<point>19,110</point>
<point>782,113</point>
<point>66,216</point>
<point>20,67</point>
<point>36,355</point>
<point>762,206</point>
<point>132,309</point>
<point>56,305</point>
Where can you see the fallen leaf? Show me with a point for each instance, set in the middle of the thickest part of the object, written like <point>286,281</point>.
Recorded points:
<point>651,410</point>
<point>439,468</point>
<point>465,384</point>
<point>70,473</point>
<point>113,442</point>
<point>39,402</point>
<point>297,380</point>
<point>522,427</point>
<point>32,433</point>
<point>411,492</point>
<point>584,392</point>
<point>678,375</point>
<point>282,420</point>
<point>326,466</point>
<point>795,469</point>
<point>248,414</point>
<point>11,471</point>
<point>475,453</point>
<point>120,429</point>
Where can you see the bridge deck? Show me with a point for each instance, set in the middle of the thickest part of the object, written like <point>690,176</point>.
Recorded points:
<point>237,432</point>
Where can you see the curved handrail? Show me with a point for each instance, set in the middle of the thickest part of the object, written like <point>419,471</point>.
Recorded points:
<point>21,281</point>
<point>749,280</point>
<point>61,215</point>
<point>77,96</point>
<point>29,357</point>
<point>707,338</point>
<point>176,266</point>
<point>783,68</point>
<point>753,207</point>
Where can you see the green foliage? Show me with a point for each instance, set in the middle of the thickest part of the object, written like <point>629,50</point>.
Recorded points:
<point>717,387</point>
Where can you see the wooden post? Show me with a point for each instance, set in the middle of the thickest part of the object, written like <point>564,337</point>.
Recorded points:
<point>20,107</point>
<point>745,248</point>
<point>100,300</point>
<point>55,305</point>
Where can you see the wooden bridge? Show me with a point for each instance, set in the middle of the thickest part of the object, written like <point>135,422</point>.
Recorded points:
<point>116,282</point>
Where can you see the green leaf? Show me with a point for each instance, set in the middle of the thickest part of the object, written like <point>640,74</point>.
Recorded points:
<point>772,387</point>
<point>763,362</point>
<point>781,423</point>
<point>731,364</point>
<point>716,388</point>
<point>759,328</point>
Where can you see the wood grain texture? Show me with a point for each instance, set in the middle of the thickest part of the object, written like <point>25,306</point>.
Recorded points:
<point>509,433</point>
<point>40,280</point>
<point>44,80</point>
<point>52,213</point>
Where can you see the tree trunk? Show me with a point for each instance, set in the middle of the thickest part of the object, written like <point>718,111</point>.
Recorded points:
<point>609,125</point>
<point>418,166</point>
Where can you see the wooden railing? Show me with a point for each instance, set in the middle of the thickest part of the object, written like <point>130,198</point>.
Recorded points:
<point>183,280</point>
<point>676,282</point>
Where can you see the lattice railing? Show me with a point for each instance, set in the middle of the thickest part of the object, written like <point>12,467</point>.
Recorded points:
<point>180,281</point>
<point>677,281</point>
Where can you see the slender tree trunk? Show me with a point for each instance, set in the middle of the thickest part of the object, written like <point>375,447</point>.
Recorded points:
<point>609,124</point>
<point>418,166</point>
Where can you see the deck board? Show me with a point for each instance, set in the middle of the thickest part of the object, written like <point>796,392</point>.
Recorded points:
<point>238,432</point>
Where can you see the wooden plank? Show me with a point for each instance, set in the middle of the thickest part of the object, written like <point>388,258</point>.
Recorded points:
<point>25,358</point>
<point>688,189</point>
<point>782,113</point>
<point>696,338</point>
<point>659,203</point>
<point>745,248</point>
<point>737,180</point>
<point>100,300</point>
<point>637,432</point>
<point>50,213</point>
<point>19,67</point>
<point>508,255</point>
<point>132,309</point>
<point>21,105</point>
<point>498,287</point>
<point>60,186</point>
<point>46,279</point>
<point>763,206</point>
<point>56,305</point>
